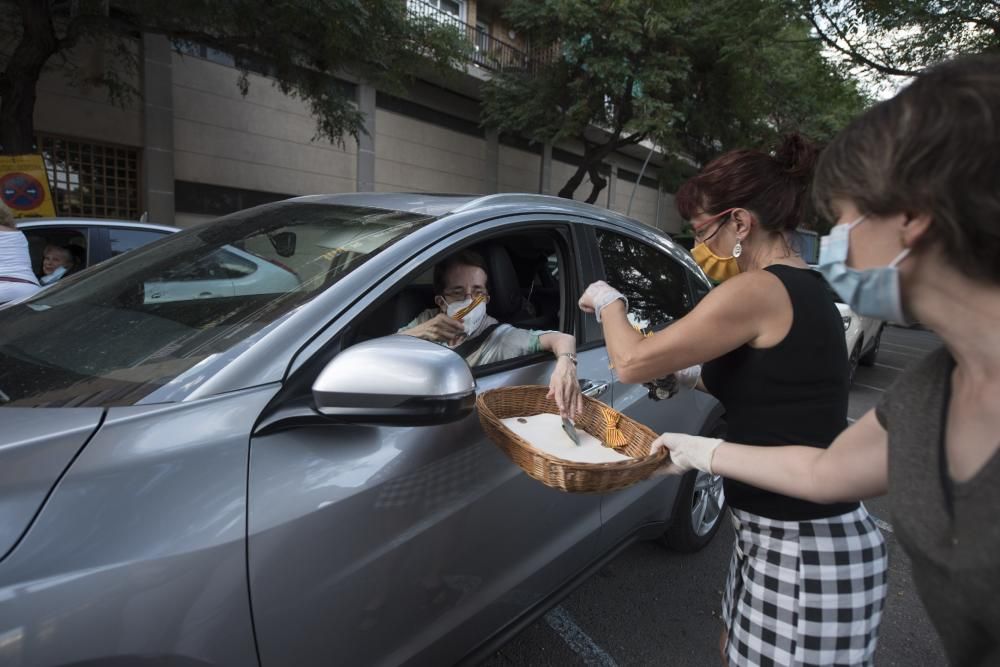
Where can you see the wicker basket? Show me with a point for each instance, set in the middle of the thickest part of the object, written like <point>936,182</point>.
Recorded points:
<point>572,476</point>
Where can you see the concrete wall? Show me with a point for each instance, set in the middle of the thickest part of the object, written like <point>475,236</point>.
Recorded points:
<point>261,142</point>
<point>519,170</point>
<point>415,156</point>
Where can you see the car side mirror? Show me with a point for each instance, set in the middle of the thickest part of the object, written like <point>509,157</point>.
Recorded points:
<point>396,380</point>
<point>283,243</point>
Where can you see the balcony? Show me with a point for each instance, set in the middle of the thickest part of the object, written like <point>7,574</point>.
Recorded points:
<point>489,52</point>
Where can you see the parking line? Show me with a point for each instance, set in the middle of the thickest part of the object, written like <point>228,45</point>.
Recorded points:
<point>881,524</point>
<point>895,368</point>
<point>868,386</point>
<point>578,640</point>
<point>920,352</point>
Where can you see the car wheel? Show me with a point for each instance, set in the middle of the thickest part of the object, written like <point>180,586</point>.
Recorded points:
<point>853,360</point>
<point>698,511</point>
<point>868,358</point>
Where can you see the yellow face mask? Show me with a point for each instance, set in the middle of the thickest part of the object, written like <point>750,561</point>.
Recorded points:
<point>715,267</point>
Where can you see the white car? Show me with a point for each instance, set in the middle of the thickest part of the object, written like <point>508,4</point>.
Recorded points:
<point>230,272</point>
<point>863,334</point>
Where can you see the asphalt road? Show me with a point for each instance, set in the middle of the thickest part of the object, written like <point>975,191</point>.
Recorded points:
<point>652,606</point>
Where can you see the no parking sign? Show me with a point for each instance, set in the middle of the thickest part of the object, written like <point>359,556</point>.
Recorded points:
<point>24,186</point>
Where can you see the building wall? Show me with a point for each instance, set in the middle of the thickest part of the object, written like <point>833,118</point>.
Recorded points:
<point>261,142</point>
<point>412,155</point>
<point>519,170</point>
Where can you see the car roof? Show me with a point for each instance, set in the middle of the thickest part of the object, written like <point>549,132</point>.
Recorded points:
<point>34,223</point>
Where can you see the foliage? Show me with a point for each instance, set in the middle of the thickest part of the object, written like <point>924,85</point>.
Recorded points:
<point>694,78</point>
<point>900,37</point>
<point>300,42</point>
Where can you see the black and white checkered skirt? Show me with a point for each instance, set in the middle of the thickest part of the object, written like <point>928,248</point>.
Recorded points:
<point>805,592</point>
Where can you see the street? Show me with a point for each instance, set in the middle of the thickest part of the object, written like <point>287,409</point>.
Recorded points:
<point>652,606</point>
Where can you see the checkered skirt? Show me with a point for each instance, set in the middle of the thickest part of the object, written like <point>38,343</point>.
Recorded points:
<point>805,592</point>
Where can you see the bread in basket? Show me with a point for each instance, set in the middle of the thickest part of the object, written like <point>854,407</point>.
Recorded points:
<point>495,405</point>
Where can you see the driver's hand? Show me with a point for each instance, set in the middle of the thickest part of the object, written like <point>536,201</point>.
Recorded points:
<point>439,329</point>
<point>565,389</point>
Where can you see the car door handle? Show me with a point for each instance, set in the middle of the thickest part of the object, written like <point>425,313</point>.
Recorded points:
<point>593,389</point>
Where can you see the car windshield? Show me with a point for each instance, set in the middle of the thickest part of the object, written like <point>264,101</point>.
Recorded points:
<point>137,322</point>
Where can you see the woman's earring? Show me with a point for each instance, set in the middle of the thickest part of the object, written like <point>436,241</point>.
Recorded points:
<point>738,249</point>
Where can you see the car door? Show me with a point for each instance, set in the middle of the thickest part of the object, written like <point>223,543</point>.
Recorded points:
<point>375,544</point>
<point>659,291</point>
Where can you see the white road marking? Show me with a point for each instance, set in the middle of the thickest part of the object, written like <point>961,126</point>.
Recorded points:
<point>895,368</point>
<point>881,524</point>
<point>578,640</point>
<point>851,421</point>
<point>918,351</point>
<point>868,386</point>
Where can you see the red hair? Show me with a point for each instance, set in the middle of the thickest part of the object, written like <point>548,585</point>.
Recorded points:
<point>773,187</point>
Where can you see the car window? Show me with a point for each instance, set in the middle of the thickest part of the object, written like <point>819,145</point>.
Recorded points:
<point>123,240</point>
<point>134,323</point>
<point>74,239</point>
<point>525,297</point>
<point>655,284</point>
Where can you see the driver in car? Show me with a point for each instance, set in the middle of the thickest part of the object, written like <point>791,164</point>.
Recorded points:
<point>459,321</point>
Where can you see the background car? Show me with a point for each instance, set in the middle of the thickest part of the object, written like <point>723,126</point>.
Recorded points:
<point>864,335</point>
<point>273,477</point>
<point>229,272</point>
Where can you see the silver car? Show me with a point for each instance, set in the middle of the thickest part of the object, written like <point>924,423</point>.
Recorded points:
<point>276,478</point>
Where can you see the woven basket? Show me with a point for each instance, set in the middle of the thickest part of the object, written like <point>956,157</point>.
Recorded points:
<point>572,476</point>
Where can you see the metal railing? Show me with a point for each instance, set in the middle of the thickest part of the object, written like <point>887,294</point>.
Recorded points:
<point>488,51</point>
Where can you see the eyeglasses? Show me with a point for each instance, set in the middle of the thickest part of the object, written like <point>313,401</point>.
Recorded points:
<point>699,233</point>
<point>459,293</point>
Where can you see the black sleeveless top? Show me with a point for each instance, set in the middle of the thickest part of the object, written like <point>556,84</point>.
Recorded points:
<point>794,393</point>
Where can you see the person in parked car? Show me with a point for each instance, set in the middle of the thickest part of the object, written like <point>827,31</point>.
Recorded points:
<point>16,277</point>
<point>807,579</point>
<point>461,280</point>
<point>57,261</point>
<point>913,187</point>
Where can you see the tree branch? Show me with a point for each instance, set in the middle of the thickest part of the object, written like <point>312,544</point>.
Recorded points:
<point>851,52</point>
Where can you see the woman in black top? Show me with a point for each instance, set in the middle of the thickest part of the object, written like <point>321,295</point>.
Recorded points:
<point>807,580</point>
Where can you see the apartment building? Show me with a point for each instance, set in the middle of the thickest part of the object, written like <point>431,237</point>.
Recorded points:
<point>193,147</point>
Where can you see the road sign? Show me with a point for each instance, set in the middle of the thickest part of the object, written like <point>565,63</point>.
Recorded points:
<point>24,186</point>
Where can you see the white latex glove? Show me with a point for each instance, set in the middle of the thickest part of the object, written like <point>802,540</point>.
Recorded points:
<point>688,377</point>
<point>687,452</point>
<point>599,295</point>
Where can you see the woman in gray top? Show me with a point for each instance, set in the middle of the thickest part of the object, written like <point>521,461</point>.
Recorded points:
<point>914,187</point>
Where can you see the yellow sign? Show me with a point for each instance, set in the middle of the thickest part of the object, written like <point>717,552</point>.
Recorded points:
<point>24,186</point>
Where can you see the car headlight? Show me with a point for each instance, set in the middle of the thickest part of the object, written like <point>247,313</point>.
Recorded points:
<point>847,321</point>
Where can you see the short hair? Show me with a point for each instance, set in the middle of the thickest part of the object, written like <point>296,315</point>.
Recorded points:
<point>774,187</point>
<point>66,251</point>
<point>6,216</point>
<point>461,258</point>
<point>933,149</point>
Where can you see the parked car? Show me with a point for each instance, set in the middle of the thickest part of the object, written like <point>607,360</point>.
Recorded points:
<point>863,335</point>
<point>232,271</point>
<point>273,477</point>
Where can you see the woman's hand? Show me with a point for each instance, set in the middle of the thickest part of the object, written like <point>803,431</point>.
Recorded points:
<point>439,329</point>
<point>599,295</point>
<point>565,389</point>
<point>687,452</point>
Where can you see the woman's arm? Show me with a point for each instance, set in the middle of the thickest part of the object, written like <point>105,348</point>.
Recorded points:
<point>733,314</point>
<point>854,467</point>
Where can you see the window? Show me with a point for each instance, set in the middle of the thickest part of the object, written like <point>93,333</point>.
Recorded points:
<point>148,319</point>
<point>656,286</point>
<point>90,179</point>
<point>123,240</point>
<point>74,239</point>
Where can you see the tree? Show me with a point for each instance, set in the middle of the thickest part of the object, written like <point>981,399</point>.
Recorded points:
<point>301,41</point>
<point>695,78</point>
<point>901,37</point>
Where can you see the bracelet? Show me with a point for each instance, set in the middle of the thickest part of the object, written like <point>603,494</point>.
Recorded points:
<point>570,355</point>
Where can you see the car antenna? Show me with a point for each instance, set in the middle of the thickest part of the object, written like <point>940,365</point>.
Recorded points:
<point>638,178</point>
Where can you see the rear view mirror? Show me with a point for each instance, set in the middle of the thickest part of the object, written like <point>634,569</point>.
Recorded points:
<point>396,380</point>
<point>283,243</point>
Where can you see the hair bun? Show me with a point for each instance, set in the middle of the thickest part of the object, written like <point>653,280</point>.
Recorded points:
<point>797,156</point>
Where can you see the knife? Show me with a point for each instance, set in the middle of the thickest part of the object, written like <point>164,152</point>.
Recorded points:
<point>571,431</point>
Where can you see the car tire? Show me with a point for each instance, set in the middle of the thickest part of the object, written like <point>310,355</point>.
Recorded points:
<point>698,510</point>
<point>852,362</point>
<point>868,358</point>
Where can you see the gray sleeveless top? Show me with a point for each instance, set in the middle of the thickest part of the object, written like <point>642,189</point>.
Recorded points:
<point>950,530</point>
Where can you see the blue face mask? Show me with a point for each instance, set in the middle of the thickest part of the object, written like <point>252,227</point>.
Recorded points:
<point>871,292</point>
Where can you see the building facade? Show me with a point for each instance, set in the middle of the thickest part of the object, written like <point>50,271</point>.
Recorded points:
<point>192,147</point>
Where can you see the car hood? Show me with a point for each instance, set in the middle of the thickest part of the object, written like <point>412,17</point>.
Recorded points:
<point>36,447</point>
